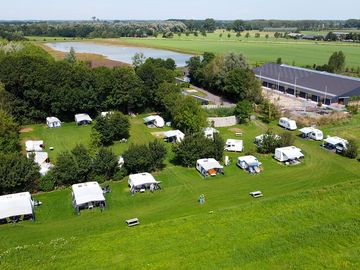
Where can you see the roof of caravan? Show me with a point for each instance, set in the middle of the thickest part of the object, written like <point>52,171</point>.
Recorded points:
<point>141,179</point>
<point>87,192</point>
<point>173,133</point>
<point>15,205</point>
<point>82,117</point>
<point>209,163</point>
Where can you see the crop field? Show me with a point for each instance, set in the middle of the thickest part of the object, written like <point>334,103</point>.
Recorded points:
<point>308,218</point>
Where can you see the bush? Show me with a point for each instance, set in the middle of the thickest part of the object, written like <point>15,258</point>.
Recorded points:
<point>269,143</point>
<point>47,182</point>
<point>351,149</point>
<point>243,111</point>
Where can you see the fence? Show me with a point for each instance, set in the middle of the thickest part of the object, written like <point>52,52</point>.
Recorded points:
<point>223,121</point>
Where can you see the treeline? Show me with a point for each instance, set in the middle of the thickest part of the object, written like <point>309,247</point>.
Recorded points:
<point>95,29</point>
<point>113,29</point>
<point>228,75</point>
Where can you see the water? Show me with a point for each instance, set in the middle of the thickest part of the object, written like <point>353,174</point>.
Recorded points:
<point>119,53</point>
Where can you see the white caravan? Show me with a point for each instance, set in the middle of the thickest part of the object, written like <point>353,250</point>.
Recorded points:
<point>311,133</point>
<point>288,154</point>
<point>234,145</point>
<point>249,163</point>
<point>209,167</point>
<point>287,123</point>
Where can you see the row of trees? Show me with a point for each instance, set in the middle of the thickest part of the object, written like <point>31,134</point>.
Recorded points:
<point>228,75</point>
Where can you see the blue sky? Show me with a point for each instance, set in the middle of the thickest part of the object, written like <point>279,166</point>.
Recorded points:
<point>188,9</point>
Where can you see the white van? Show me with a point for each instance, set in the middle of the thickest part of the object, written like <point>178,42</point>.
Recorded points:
<point>287,123</point>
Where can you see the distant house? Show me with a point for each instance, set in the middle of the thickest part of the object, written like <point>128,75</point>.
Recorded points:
<point>313,37</point>
<point>83,119</point>
<point>154,121</point>
<point>34,146</point>
<point>53,122</point>
<point>174,136</point>
<point>15,207</point>
<point>209,167</point>
<point>87,195</point>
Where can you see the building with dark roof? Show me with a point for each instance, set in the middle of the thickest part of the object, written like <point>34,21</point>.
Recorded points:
<point>318,86</point>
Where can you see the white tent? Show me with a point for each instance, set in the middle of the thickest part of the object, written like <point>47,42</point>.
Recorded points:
<point>53,122</point>
<point>19,204</point>
<point>287,123</point>
<point>39,157</point>
<point>289,153</point>
<point>141,180</point>
<point>34,146</point>
<point>209,167</point>
<point>234,145</point>
<point>209,132</point>
<point>155,120</point>
<point>174,136</point>
<point>87,195</point>
<point>311,133</point>
<point>82,119</point>
<point>249,163</point>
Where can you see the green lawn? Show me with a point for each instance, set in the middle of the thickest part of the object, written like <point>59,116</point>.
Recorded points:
<point>308,219</point>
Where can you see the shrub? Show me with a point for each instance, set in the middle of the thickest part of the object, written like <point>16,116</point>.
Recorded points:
<point>47,182</point>
<point>351,150</point>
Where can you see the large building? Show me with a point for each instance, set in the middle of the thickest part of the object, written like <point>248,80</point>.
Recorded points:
<point>315,85</point>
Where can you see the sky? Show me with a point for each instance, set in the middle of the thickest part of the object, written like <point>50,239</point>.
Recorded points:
<point>187,9</point>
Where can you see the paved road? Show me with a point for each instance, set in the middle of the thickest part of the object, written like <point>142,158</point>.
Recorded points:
<point>215,99</point>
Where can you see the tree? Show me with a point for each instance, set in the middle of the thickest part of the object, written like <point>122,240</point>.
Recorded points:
<point>241,84</point>
<point>197,146</point>
<point>238,26</point>
<point>82,161</point>
<point>71,56</point>
<point>269,143</point>
<point>187,115</point>
<point>267,36</point>
<point>138,59</point>
<point>238,34</point>
<point>233,61</point>
<point>65,171</point>
<point>351,150</point>
<point>113,127</point>
<point>9,133</point>
<point>158,154</point>
<point>243,111</point>
<point>210,25</point>
<point>105,164</point>
<point>247,35</point>
<point>286,139</point>
<point>337,61</point>
<point>257,35</point>
<point>229,35</point>
<point>17,173</point>
<point>279,61</point>
<point>331,37</point>
<point>269,111</point>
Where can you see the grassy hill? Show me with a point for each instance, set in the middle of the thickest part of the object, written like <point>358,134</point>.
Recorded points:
<point>308,218</point>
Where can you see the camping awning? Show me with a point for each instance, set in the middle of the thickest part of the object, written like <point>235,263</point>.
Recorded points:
<point>15,205</point>
<point>292,154</point>
<point>208,164</point>
<point>141,179</point>
<point>335,141</point>
<point>87,192</point>
<point>149,119</point>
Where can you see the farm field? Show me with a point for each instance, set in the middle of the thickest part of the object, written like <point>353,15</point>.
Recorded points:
<point>312,208</point>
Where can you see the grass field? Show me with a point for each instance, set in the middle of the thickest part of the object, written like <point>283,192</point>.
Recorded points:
<point>308,219</point>
<point>257,50</point>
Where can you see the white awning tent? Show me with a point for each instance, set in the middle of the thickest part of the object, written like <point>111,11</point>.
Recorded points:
<point>53,122</point>
<point>289,153</point>
<point>209,166</point>
<point>174,136</point>
<point>232,145</point>
<point>155,120</point>
<point>82,119</point>
<point>86,194</point>
<point>18,204</point>
<point>336,141</point>
<point>209,132</point>
<point>141,180</point>
<point>39,157</point>
<point>34,146</point>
